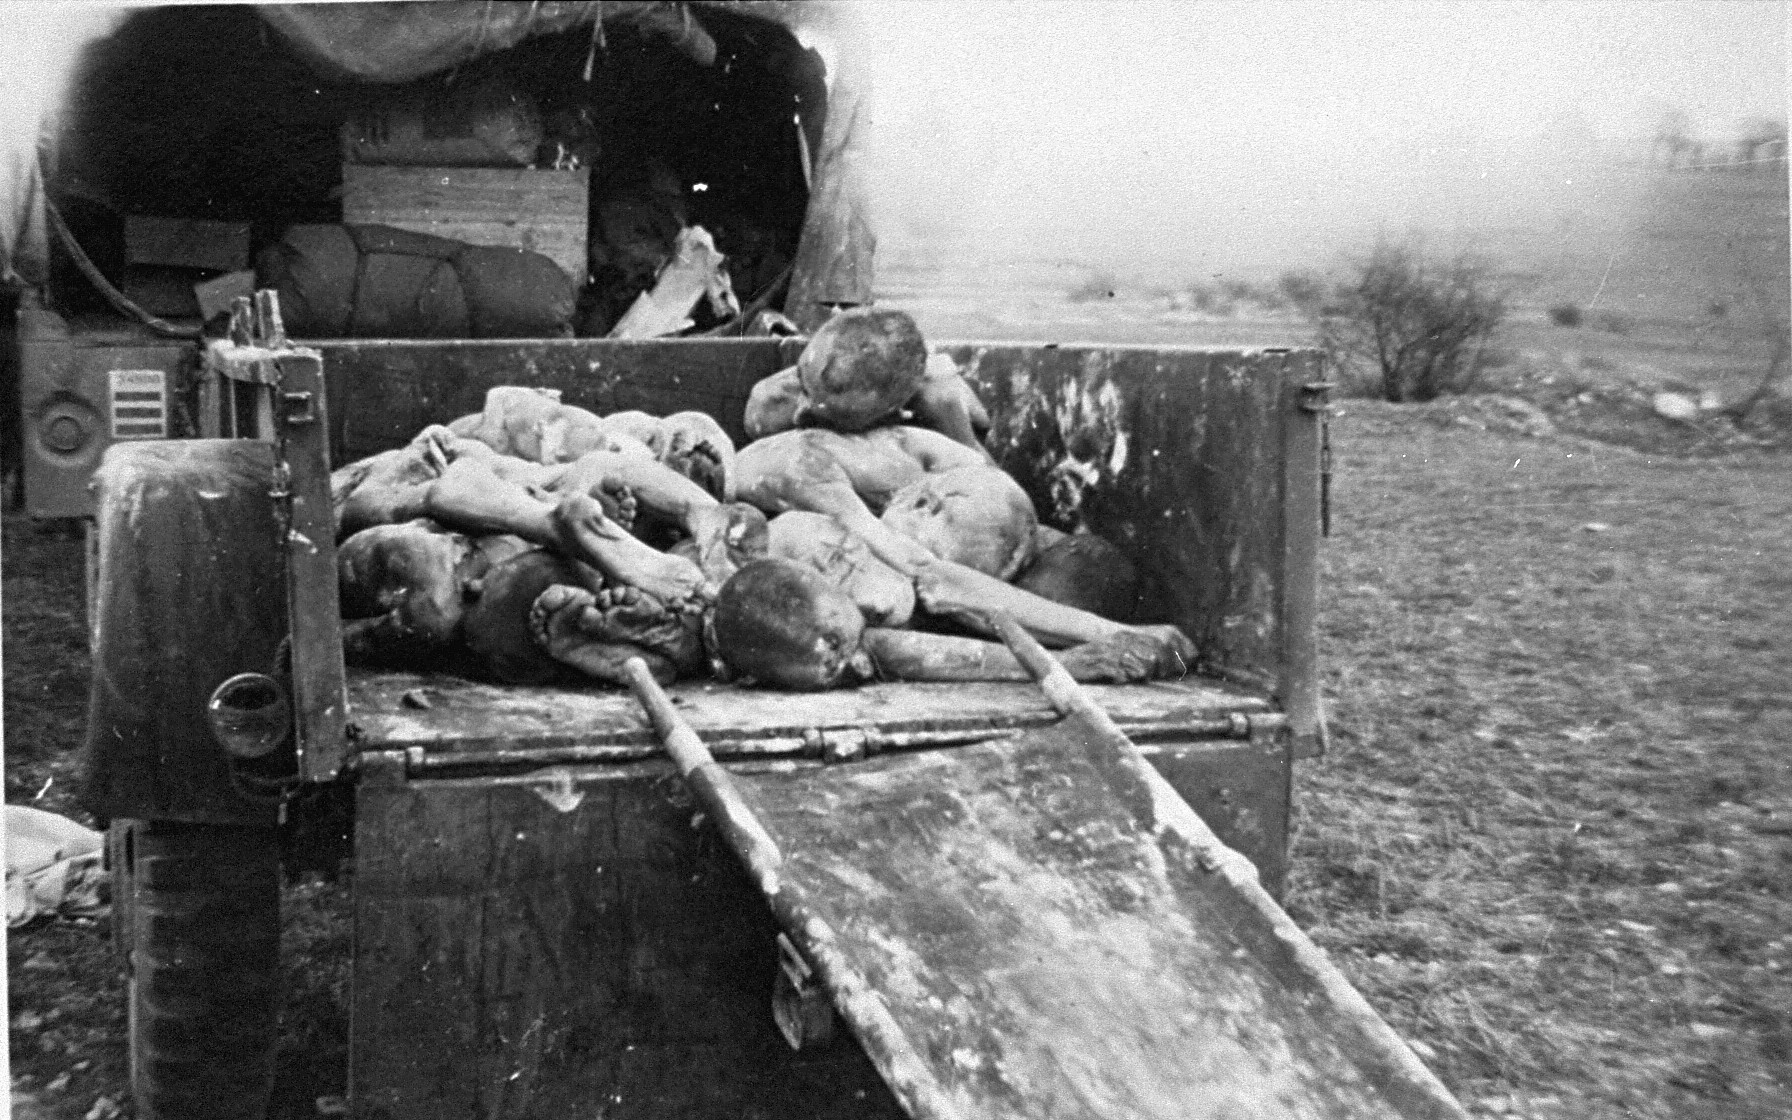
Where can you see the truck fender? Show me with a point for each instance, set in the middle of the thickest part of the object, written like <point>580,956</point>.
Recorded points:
<point>189,590</point>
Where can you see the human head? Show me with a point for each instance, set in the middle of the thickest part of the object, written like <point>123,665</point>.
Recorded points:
<point>860,368</point>
<point>781,624</point>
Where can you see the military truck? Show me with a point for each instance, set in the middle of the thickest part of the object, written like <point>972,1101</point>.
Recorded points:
<point>544,921</point>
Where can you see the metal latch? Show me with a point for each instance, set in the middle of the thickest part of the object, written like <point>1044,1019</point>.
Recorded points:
<point>298,408</point>
<point>839,744</point>
<point>281,484</point>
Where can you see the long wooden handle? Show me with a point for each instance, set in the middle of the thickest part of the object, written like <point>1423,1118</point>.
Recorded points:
<point>1065,694</point>
<point>714,786</point>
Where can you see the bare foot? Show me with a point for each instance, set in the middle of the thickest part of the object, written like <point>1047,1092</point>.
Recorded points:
<point>566,619</point>
<point>1176,654</point>
<point>1136,655</point>
<point>587,535</point>
<point>618,501</point>
<point>695,446</point>
<point>574,627</point>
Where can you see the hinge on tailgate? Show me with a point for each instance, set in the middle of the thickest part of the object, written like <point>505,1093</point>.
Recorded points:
<point>836,744</point>
<point>801,1007</point>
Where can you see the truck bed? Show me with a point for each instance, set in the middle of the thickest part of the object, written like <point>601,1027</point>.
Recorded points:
<point>448,722</point>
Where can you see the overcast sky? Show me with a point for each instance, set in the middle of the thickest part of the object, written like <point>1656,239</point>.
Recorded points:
<point>1173,120</point>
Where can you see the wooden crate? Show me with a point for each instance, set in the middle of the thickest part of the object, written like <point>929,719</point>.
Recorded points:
<point>544,211</point>
<point>186,243</point>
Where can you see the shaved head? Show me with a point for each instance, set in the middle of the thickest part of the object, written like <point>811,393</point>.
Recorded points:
<point>860,367</point>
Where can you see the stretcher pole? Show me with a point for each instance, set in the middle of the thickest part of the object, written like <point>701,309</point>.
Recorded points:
<point>1418,1086</point>
<point>712,785</point>
<point>905,1070</point>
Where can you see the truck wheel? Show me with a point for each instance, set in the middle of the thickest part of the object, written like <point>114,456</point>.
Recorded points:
<point>203,962</point>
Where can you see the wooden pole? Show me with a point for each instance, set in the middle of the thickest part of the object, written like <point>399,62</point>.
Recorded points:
<point>863,1006</point>
<point>1409,1083</point>
<point>714,787</point>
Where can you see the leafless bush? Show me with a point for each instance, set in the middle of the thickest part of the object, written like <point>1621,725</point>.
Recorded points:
<point>1305,291</point>
<point>1420,323</point>
<point>1761,296</point>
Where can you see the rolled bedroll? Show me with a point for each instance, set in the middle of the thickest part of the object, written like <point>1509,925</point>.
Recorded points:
<point>1039,926</point>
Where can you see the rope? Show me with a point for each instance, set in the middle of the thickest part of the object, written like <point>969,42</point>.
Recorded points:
<point>119,301</point>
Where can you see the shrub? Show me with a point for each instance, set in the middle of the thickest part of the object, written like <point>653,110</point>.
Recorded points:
<point>1304,290</point>
<point>1565,315</point>
<point>1420,323</point>
<point>1210,299</point>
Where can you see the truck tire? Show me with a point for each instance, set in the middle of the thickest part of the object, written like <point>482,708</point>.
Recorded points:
<point>203,966</point>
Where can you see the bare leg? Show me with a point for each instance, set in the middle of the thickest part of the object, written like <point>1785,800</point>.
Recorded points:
<point>694,445</point>
<point>883,595</point>
<point>391,487</point>
<point>473,498</point>
<point>529,424</point>
<point>649,487</point>
<point>909,655</point>
<point>966,596</point>
<point>570,621</point>
<point>583,532</point>
<point>785,474</point>
<point>633,424</point>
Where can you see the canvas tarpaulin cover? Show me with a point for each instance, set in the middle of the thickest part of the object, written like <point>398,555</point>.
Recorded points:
<point>388,43</point>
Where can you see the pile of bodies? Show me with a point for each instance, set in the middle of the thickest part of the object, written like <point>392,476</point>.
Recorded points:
<point>864,534</point>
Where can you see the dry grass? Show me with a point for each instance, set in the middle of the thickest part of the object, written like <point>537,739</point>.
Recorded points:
<point>1552,843</point>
